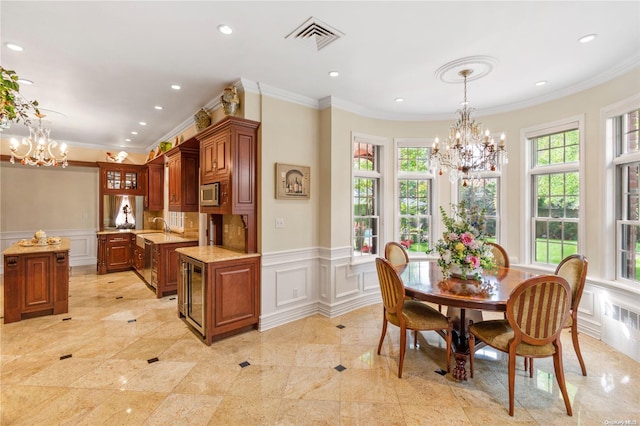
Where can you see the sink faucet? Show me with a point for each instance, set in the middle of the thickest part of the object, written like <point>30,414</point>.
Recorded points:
<point>166,225</point>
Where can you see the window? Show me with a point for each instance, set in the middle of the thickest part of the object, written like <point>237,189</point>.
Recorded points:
<point>366,197</point>
<point>484,193</point>
<point>414,196</point>
<point>555,190</point>
<point>625,133</point>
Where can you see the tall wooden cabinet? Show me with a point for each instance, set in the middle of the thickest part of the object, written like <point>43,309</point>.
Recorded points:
<point>154,199</point>
<point>228,155</point>
<point>183,163</point>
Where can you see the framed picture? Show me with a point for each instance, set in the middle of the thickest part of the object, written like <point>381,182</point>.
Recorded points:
<point>292,182</point>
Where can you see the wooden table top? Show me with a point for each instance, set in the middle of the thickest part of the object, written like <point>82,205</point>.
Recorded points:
<point>423,280</point>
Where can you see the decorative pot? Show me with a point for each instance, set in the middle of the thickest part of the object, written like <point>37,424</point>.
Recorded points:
<point>202,119</point>
<point>456,271</point>
<point>230,100</point>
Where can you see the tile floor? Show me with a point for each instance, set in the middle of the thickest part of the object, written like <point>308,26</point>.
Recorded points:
<point>291,378</point>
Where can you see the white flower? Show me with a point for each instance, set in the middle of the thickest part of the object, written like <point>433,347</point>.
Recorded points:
<point>446,256</point>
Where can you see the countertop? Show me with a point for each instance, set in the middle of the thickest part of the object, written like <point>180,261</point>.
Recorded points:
<point>128,231</point>
<point>16,249</point>
<point>210,254</point>
<point>164,238</point>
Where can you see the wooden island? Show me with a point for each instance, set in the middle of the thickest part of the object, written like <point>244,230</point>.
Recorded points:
<point>36,280</point>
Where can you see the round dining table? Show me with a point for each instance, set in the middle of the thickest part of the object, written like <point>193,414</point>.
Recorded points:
<point>423,280</point>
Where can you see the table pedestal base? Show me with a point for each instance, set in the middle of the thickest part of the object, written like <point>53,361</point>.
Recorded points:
<point>460,370</point>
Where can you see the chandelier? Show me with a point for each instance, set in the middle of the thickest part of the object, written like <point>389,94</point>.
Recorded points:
<point>467,152</point>
<point>39,148</point>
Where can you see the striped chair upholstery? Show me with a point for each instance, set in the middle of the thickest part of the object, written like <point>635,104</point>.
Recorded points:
<point>407,314</point>
<point>537,311</point>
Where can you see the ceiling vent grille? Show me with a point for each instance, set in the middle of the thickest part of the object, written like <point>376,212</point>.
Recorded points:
<point>315,34</point>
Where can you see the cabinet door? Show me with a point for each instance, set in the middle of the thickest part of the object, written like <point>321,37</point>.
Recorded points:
<point>189,169</point>
<point>174,182</point>
<point>235,296</point>
<point>118,253</point>
<point>222,148</point>
<point>155,187</point>
<point>207,162</point>
<point>38,288</point>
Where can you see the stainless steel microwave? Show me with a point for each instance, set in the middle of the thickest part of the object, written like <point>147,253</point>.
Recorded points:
<point>210,194</point>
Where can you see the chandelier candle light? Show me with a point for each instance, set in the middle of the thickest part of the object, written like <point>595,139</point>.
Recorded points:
<point>39,152</point>
<point>467,151</point>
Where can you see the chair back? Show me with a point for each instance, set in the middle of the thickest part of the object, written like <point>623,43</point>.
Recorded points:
<point>538,309</point>
<point>574,269</point>
<point>499,254</point>
<point>391,286</point>
<point>395,253</point>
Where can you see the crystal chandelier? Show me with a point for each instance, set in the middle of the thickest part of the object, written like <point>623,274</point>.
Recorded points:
<point>467,151</point>
<point>39,151</point>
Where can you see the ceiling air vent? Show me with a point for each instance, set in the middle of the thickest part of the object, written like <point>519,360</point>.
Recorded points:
<point>315,34</point>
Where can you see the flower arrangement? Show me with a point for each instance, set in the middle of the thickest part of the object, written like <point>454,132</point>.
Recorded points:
<point>463,243</point>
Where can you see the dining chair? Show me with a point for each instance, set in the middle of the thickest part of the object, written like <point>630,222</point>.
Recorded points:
<point>499,254</point>
<point>407,314</point>
<point>573,268</point>
<point>537,311</point>
<point>396,254</point>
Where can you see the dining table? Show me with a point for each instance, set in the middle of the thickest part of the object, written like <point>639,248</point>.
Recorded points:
<point>423,280</point>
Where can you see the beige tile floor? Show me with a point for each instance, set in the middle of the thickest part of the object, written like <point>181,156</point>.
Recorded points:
<point>291,377</point>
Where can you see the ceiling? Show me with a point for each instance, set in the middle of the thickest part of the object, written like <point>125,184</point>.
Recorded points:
<point>99,68</point>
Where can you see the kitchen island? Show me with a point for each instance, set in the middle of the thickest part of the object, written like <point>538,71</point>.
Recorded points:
<point>218,290</point>
<point>36,279</point>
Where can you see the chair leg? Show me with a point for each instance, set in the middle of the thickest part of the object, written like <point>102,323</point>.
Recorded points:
<point>559,369</point>
<point>472,344</point>
<point>512,380</point>
<point>415,340</point>
<point>384,332</point>
<point>576,346</point>
<point>403,347</point>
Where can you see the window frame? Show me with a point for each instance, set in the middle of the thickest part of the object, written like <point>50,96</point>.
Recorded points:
<point>531,172</point>
<point>428,175</point>
<point>380,143</point>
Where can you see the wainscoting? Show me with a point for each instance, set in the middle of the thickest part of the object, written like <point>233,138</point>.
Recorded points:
<point>84,244</point>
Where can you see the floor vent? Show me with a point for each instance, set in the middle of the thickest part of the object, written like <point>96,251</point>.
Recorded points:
<point>629,318</point>
<point>315,34</point>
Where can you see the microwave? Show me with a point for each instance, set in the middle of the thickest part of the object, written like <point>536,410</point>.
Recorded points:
<point>210,194</point>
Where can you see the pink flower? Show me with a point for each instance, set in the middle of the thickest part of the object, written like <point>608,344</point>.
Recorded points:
<point>474,261</point>
<point>466,238</point>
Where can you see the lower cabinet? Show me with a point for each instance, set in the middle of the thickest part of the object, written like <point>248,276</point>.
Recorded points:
<point>164,267</point>
<point>36,284</point>
<point>115,252</point>
<point>219,298</point>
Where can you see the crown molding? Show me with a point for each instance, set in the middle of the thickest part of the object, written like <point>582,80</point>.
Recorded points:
<point>285,95</point>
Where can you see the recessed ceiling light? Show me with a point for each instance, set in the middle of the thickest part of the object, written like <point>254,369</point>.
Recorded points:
<point>134,133</point>
<point>142,123</point>
<point>334,73</point>
<point>127,140</point>
<point>399,100</point>
<point>25,81</point>
<point>225,29</point>
<point>158,107</point>
<point>587,38</point>
<point>175,87</point>
<point>541,83</point>
<point>14,47</point>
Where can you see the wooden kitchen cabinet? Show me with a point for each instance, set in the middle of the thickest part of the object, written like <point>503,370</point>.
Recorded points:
<point>214,157</point>
<point>183,163</point>
<point>164,267</point>
<point>154,199</point>
<point>115,252</point>
<point>121,179</point>
<point>231,296</point>
<point>36,281</point>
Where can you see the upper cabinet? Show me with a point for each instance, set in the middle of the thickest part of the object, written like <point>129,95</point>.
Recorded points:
<point>228,151</point>
<point>122,179</point>
<point>183,162</point>
<point>154,200</point>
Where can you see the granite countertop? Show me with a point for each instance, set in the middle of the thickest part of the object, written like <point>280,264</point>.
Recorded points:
<point>164,238</point>
<point>210,254</point>
<point>17,249</point>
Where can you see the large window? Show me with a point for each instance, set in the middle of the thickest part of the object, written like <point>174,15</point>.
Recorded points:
<point>484,193</point>
<point>625,132</point>
<point>414,199</point>
<point>366,198</point>
<point>555,183</point>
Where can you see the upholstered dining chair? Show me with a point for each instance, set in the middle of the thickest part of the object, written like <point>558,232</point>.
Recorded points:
<point>407,314</point>
<point>537,311</point>
<point>499,254</point>
<point>573,268</point>
<point>395,253</point>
